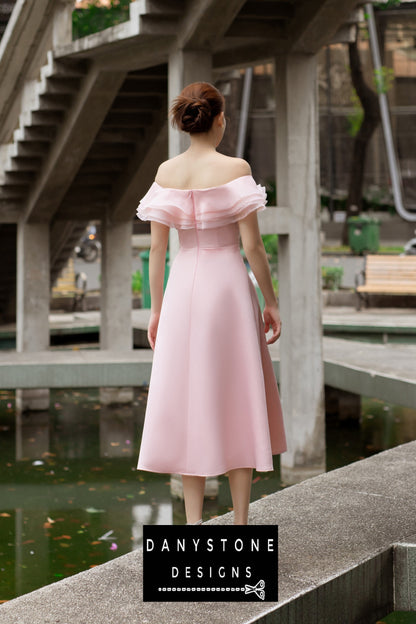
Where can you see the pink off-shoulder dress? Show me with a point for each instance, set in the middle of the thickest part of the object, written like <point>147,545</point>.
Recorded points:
<point>213,401</point>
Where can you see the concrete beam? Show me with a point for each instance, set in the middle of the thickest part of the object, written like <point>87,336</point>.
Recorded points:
<point>75,138</point>
<point>206,22</point>
<point>316,22</point>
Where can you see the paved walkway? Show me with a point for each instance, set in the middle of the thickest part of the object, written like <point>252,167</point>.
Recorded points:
<point>336,536</point>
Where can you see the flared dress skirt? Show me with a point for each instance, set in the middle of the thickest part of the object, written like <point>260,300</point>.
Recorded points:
<point>213,401</point>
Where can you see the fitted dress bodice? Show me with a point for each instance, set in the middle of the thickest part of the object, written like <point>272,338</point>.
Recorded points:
<point>211,238</point>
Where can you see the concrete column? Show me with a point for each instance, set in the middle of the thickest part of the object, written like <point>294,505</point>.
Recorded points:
<point>116,298</point>
<point>185,67</point>
<point>302,373</point>
<point>32,309</point>
<point>62,23</point>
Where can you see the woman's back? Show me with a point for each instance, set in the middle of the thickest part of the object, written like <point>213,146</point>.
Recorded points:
<point>200,169</point>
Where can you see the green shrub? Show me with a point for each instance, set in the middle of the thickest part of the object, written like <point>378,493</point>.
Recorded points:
<point>331,277</point>
<point>137,282</point>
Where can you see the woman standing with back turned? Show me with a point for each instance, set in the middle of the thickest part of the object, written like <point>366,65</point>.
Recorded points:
<point>213,405</point>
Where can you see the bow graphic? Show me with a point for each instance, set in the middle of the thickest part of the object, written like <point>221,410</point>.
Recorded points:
<point>257,589</point>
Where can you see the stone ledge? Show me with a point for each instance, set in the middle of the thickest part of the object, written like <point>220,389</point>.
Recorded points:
<point>336,533</point>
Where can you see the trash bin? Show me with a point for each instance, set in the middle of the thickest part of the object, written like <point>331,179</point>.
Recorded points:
<point>144,255</point>
<point>363,234</point>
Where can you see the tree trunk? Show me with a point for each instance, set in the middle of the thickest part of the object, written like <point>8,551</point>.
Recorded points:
<point>369,102</point>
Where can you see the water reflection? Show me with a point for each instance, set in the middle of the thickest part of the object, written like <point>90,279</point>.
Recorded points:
<point>71,497</point>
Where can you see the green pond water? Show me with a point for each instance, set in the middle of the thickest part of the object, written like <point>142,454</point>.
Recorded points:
<point>71,497</point>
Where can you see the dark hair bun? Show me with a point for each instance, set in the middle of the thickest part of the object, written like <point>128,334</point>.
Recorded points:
<point>194,109</point>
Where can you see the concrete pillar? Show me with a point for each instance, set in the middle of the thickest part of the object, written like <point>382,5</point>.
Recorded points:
<point>185,67</point>
<point>32,309</point>
<point>116,298</point>
<point>62,23</point>
<point>302,373</point>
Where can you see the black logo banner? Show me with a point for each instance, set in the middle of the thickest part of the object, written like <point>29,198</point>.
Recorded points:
<point>210,563</point>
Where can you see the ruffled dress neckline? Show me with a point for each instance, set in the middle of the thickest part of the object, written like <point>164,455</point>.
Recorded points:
<point>203,208</point>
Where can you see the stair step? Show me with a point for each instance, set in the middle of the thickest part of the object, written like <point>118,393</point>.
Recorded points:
<point>30,148</point>
<point>19,178</point>
<point>101,166</point>
<point>128,120</point>
<point>119,136</point>
<point>12,192</point>
<point>161,7</point>
<point>19,163</point>
<point>54,102</point>
<point>41,118</point>
<point>63,68</point>
<point>137,84</point>
<point>59,85</point>
<point>133,102</point>
<point>115,151</point>
<point>35,133</point>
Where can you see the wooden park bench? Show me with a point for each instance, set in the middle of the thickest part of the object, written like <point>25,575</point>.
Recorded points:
<point>386,275</point>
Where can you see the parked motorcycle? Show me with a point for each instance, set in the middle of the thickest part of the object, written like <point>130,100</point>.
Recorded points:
<point>89,247</point>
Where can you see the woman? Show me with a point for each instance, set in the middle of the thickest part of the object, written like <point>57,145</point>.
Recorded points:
<point>213,405</point>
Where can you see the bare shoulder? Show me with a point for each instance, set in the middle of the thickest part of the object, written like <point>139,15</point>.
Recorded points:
<point>164,171</point>
<point>236,167</point>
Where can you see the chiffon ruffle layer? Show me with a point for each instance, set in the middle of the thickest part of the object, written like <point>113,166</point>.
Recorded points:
<point>213,402</point>
<point>202,208</point>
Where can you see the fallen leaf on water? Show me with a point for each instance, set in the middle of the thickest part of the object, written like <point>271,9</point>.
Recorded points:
<point>80,482</point>
<point>256,479</point>
<point>5,515</point>
<point>64,545</point>
<point>121,499</point>
<point>94,510</point>
<point>95,543</point>
<point>1,601</point>
<point>107,536</point>
<point>28,542</point>
<point>93,565</point>
<point>59,537</point>
<point>115,443</point>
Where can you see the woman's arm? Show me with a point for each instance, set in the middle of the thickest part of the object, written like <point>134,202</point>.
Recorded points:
<point>157,257</point>
<point>257,258</point>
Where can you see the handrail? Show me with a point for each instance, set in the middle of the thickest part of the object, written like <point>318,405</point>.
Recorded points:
<point>385,118</point>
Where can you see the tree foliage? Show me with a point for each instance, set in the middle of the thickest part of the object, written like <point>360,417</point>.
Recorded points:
<point>96,17</point>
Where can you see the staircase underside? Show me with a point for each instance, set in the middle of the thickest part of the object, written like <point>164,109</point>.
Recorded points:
<point>93,131</point>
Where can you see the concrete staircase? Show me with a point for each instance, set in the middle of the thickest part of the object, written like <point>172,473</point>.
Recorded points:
<point>49,173</point>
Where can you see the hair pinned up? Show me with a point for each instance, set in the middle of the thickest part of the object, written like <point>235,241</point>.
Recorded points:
<point>194,109</point>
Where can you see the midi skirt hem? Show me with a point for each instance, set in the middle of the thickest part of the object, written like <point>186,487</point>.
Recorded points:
<point>206,474</point>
